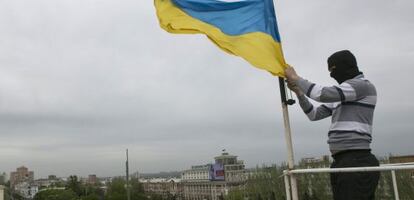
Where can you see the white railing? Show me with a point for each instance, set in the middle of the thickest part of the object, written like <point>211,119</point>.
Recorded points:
<point>288,174</point>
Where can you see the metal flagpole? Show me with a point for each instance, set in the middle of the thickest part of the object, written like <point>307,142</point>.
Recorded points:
<point>288,136</point>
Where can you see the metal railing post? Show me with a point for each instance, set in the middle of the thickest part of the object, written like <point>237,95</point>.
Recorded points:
<point>294,188</point>
<point>394,184</point>
<point>287,185</point>
<point>288,174</point>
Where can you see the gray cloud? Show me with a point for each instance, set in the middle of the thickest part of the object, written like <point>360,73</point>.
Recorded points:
<point>81,81</point>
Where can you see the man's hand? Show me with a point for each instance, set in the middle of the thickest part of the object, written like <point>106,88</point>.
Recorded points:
<point>295,88</point>
<point>292,78</point>
<point>291,75</point>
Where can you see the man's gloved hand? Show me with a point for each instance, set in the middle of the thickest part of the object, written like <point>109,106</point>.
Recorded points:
<point>295,88</point>
<point>291,74</point>
<point>292,77</point>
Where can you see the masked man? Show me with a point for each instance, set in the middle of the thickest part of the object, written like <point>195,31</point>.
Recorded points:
<point>351,105</point>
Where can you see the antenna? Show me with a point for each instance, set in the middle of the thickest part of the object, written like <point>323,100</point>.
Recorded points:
<point>127,176</point>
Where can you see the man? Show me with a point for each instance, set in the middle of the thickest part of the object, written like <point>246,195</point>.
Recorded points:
<point>351,105</point>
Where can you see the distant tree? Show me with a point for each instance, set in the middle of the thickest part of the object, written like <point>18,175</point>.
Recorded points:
<point>17,196</point>
<point>116,190</point>
<point>92,190</point>
<point>235,194</point>
<point>137,190</point>
<point>6,194</point>
<point>75,185</point>
<point>156,197</point>
<point>405,183</point>
<point>170,197</point>
<point>90,197</point>
<point>55,195</point>
<point>58,184</point>
<point>266,183</point>
<point>306,196</point>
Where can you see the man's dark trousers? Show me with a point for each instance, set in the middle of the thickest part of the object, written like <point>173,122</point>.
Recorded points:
<point>355,185</point>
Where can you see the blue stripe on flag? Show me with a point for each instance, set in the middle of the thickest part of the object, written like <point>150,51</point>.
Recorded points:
<point>234,18</point>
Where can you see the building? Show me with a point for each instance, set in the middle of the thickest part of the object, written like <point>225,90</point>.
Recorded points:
<point>310,161</point>
<point>1,192</point>
<point>167,188</point>
<point>213,181</point>
<point>197,172</point>
<point>52,177</point>
<point>22,174</point>
<point>92,179</point>
<point>196,182</point>
<point>234,169</point>
<point>51,181</point>
<point>26,189</point>
<point>202,182</point>
<point>403,159</point>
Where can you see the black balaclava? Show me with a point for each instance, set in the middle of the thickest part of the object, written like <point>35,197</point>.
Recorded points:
<point>345,66</point>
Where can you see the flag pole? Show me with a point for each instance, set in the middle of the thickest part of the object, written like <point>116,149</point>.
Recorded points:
<point>288,137</point>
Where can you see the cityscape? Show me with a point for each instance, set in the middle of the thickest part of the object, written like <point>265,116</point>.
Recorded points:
<point>225,178</point>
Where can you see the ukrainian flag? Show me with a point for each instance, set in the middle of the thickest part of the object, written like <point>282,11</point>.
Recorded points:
<point>245,28</point>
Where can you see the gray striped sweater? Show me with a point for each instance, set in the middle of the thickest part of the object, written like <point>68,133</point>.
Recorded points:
<point>351,105</point>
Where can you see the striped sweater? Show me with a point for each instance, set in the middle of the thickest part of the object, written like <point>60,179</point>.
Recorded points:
<point>351,105</point>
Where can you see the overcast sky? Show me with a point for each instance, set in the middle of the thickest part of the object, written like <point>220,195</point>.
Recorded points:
<point>82,80</point>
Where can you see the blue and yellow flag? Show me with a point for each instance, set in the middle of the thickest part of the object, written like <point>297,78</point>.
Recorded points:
<point>245,28</point>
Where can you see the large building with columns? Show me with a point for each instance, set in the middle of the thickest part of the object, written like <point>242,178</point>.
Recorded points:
<point>213,181</point>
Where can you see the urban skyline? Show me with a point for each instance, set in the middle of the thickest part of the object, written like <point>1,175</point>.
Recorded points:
<point>225,178</point>
<point>35,176</point>
<point>165,173</point>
